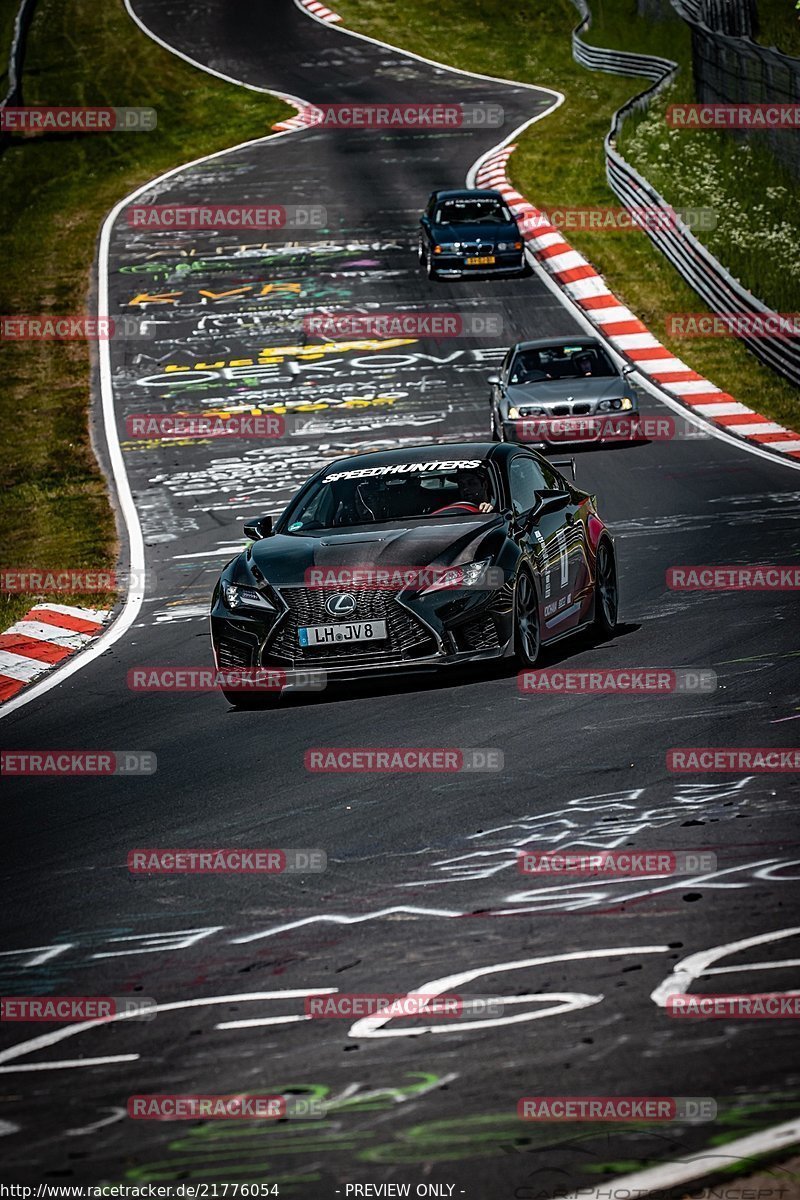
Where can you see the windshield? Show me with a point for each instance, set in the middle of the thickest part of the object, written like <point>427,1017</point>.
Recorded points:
<point>472,212</point>
<point>423,491</point>
<point>561,362</point>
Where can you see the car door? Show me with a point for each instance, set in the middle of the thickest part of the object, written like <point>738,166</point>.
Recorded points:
<point>575,541</point>
<point>498,384</point>
<point>550,532</point>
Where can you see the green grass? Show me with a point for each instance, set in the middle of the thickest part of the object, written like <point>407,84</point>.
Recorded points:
<point>779,25</point>
<point>757,235</point>
<point>559,161</point>
<point>54,195</point>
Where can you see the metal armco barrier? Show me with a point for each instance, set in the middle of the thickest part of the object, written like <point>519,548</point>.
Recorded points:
<point>17,52</point>
<point>730,68</point>
<point>696,264</point>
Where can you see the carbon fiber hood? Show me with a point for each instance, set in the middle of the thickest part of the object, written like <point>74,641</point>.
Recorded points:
<point>285,558</point>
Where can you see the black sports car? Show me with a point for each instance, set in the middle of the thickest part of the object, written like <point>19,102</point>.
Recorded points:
<point>415,559</point>
<point>468,232</point>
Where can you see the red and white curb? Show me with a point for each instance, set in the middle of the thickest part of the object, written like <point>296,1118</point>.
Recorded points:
<point>319,10</point>
<point>307,115</point>
<point>44,637</point>
<point>622,328</point>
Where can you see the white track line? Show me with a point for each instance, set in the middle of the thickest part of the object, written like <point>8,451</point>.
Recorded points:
<point>135,596</point>
<point>129,516</point>
<point>780,1135</point>
<point>696,1166</point>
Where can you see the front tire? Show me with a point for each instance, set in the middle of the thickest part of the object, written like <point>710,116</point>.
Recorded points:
<point>496,436</point>
<point>527,632</point>
<point>606,591</point>
<point>429,267</point>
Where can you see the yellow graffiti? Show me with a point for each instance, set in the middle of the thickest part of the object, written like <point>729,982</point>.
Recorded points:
<point>288,409</point>
<point>277,354</point>
<point>154,298</point>
<point>170,297</point>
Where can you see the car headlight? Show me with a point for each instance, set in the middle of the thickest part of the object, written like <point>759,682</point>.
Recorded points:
<point>446,247</point>
<point>623,403</point>
<point>465,576</point>
<point>514,413</point>
<point>238,595</point>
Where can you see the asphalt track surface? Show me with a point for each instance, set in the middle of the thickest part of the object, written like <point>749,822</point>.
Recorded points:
<point>421,881</point>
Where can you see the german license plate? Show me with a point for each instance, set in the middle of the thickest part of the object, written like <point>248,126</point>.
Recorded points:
<point>480,262</point>
<point>332,635</point>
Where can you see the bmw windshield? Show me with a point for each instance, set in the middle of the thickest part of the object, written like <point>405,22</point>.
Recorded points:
<point>472,212</point>
<point>561,362</point>
<point>397,492</point>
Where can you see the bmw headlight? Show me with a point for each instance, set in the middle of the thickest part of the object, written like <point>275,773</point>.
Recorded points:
<point>467,575</point>
<point>620,405</point>
<point>445,248</point>
<point>513,413</point>
<point>238,595</point>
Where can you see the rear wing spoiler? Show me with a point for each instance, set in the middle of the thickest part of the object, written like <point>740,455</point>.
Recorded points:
<point>565,462</point>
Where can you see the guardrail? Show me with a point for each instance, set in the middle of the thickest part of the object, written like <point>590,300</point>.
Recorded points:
<point>17,52</point>
<point>730,68</point>
<point>712,282</point>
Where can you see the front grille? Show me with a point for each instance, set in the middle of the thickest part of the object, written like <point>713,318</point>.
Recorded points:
<point>578,408</point>
<point>478,634</point>
<point>234,653</point>
<point>406,636</point>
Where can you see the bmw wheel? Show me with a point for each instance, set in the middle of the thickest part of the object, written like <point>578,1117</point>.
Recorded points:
<point>432,273</point>
<point>527,635</point>
<point>606,590</point>
<point>496,435</point>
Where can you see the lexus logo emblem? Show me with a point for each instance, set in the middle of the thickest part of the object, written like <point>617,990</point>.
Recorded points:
<point>341,604</point>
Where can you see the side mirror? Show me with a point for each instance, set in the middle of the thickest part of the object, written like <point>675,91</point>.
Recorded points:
<point>258,529</point>
<point>551,502</point>
<point>494,380</point>
<point>628,369</point>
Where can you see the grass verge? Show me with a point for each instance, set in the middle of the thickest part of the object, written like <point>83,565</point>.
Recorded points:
<point>779,25</point>
<point>54,194</point>
<point>559,162</point>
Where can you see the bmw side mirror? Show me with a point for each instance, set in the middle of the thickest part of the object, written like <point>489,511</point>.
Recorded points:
<point>628,369</point>
<point>494,380</point>
<point>258,529</point>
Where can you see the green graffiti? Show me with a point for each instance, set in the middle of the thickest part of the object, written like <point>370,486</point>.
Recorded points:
<point>250,1151</point>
